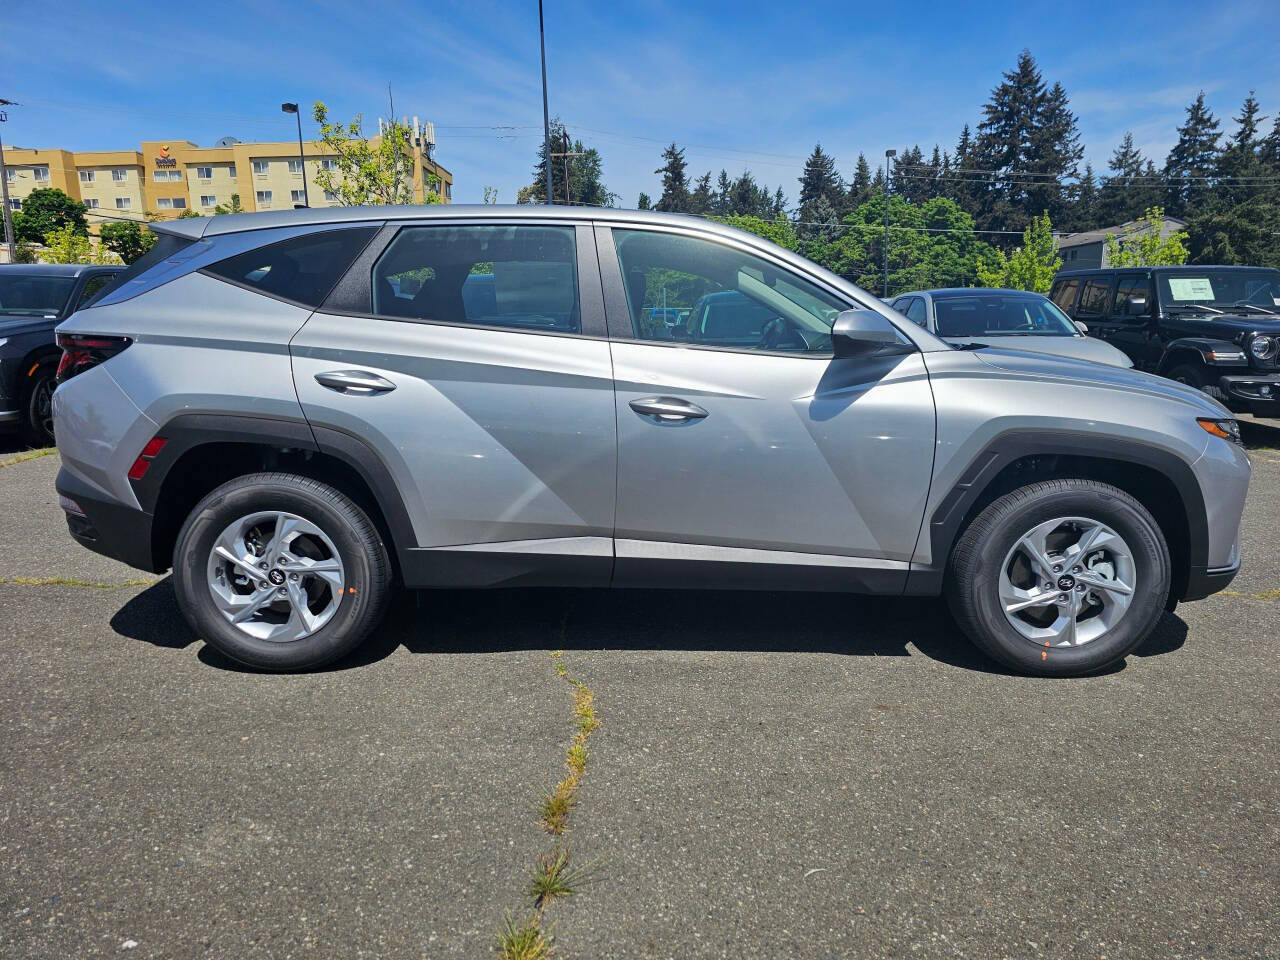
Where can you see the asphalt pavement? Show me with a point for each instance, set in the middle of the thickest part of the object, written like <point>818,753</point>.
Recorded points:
<point>775,775</point>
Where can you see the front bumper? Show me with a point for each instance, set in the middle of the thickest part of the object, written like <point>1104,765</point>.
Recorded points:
<point>8,420</point>
<point>1260,391</point>
<point>1202,583</point>
<point>108,527</point>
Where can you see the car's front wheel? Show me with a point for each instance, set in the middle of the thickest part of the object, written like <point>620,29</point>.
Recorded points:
<point>1061,577</point>
<point>280,571</point>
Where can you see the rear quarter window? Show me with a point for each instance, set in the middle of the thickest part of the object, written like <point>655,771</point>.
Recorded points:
<point>301,269</point>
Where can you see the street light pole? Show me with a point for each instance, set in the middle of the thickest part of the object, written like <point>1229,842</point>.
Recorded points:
<point>546,117</point>
<point>7,215</point>
<point>888,155</point>
<point>293,108</point>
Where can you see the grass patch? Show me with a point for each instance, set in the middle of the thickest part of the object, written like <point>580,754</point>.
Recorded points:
<point>71,582</point>
<point>1264,595</point>
<point>559,803</point>
<point>556,876</point>
<point>523,939</point>
<point>29,455</point>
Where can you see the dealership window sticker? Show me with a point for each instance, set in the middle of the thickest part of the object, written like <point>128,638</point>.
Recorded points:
<point>1191,288</point>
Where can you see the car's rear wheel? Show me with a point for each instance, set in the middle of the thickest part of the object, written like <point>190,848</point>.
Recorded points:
<point>280,571</point>
<point>1061,577</point>
<point>37,407</point>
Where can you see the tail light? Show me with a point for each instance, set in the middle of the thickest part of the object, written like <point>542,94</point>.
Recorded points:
<point>82,351</point>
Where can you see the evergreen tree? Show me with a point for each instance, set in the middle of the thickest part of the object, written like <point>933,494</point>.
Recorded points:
<point>1193,159</point>
<point>586,174</point>
<point>675,184</point>
<point>702,199</point>
<point>1029,139</point>
<point>1130,189</point>
<point>910,176</point>
<point>644,203</point>
<point>959,184</point>
<point>819,181</point>
<point>860,185</point>
<point>779,204</point>
<point>1083,212</point>
<point>723,205</point>
<point>1240,161</point>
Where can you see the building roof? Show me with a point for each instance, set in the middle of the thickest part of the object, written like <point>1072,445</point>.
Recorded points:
<point>1099,236</point>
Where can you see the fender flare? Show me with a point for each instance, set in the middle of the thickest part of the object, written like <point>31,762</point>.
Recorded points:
<point>1201,347</point>
<point>944,525</point>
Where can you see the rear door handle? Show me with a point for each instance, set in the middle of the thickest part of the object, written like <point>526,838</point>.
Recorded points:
<point>356,382</point>
<point>668,409</point>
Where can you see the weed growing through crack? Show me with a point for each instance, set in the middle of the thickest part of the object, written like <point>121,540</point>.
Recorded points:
<point>29,455</point>
<point>523,939</point>
<point>556,876</point>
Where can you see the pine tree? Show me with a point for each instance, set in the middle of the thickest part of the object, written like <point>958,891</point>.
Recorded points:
<point>675,184</point>
<point>960,186</point>
<point>1085,208</point>
<point>860,186</point>
<point>779,204</point>
<point>1240,160</point>
<point>702,199</point>
<point>819,180</point>
<point>644,203</point>
<point>1193,160</point>
<point>723,205</point>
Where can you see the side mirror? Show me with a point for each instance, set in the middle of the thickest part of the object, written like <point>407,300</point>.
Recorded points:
<point>1137,306</point>
<point>1080,326</point>
<point>862,333</point>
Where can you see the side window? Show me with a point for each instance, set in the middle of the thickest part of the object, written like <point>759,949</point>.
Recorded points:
<point>302,269</point>
<point>524,277</point>
<point>1064,294</point>
<point>91,288</point>
<point>1095,301</point>
<point>706,293</point>
<point>916,312</point>
<point>1128,288</point>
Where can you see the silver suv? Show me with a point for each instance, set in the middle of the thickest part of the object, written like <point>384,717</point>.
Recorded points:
<point>295,410</point>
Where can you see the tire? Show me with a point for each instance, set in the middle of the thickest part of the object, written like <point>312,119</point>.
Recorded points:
<point>341,573</point>
<point>1106,624</point>
<point>1193,376</point>
<point>37,408</point>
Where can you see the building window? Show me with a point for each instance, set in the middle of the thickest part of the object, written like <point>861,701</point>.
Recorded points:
<point>204,173</point>
<point>119,175</point>
<point>298,196</point>
<point>264,198</point>
<point>86,176</point>
<point>331,196</point>
<point>208,201</point>
<point>179,203</point>
<point>124,203</point>
<point>260,167</point>
<point>231,171</point>
<point>448,191</point>
<point>329,165</point>
<point>11,174</point>
<point>164,203</point>
<point>91,203</point>
<point>42,174</point>
<point>15,203</point>
<point>295,166</point>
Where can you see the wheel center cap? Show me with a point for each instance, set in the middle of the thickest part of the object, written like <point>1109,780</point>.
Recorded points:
<point>276,577</point>
<point>1066,582</point>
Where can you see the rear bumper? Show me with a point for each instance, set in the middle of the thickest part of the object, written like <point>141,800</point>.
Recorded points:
<point>107,527</point>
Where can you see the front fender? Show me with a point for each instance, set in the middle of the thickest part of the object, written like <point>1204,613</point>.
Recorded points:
<point>1207,350</point>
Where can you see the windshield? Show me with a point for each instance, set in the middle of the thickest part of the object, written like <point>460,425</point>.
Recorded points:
<point>997,315</point>
<point>28,295</point>
<point>1220,289</point>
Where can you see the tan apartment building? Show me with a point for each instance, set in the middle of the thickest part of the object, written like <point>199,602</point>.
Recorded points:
<point>167,178</point>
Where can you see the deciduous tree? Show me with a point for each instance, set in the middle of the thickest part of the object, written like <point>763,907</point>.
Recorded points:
<point>128,240</point>
<point>1030,266</point>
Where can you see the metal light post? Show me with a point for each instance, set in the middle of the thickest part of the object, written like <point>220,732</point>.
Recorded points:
<point>293,108</point>
<point>888,155</point>
<point>7,216</point>
<point>546,117</point>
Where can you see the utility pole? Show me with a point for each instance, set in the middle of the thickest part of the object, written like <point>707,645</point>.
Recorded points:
<point>566,155</point>
<point>546,121</point>
<point>4,188</point>
<point>888,188</point>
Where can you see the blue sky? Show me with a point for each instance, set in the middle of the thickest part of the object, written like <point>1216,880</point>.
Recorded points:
<point>741,85</point>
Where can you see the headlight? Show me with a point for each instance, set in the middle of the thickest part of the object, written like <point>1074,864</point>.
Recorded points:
<point>1226,429</point>
<point>1264,348</point>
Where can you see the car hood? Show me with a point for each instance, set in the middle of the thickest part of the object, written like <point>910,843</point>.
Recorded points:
<point>1042,367</point>
<point>1077,348</point>
<point>1222,325</point>
<point>12,326</point>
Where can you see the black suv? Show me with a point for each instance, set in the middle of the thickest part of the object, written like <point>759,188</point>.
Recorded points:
<point>35,298</point>
<point>1216,328</point>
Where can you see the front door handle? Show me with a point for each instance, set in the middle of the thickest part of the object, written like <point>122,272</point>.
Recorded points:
<point>668,409</point>
<point>359,383</point>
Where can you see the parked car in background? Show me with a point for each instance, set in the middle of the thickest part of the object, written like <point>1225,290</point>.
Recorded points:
<point>1215,328</point>
<point>265,408</point>
<point>33,299</point>
<point>1013,319</point>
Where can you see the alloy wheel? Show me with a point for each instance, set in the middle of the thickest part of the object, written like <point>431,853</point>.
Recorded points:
<point>1067,582</point>
<point>275,576</point>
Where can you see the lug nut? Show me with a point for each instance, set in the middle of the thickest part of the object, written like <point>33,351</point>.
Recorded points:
<point>1075,569</point>
<point>1080,588</point>
<point>263,566</point>
<point>294,578</point>
<point>1062,598</point>
<point>283,592</point>
<point>1048,585</point>
<point>1057,568</point>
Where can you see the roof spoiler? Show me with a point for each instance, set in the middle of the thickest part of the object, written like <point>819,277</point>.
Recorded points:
<point>190,228</point>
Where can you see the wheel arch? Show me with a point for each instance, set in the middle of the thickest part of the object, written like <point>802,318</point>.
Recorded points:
<point>1158,479</point>
<point>1197,351</point>
<point>203,451</point>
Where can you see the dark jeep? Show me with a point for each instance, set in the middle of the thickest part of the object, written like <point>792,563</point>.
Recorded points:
<point>1216,328</point>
